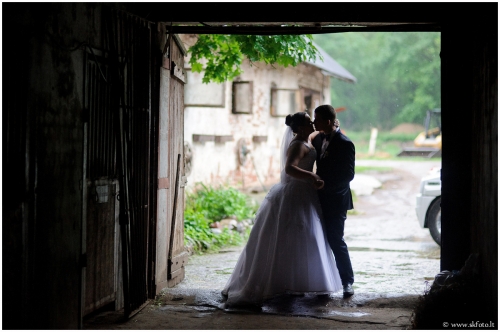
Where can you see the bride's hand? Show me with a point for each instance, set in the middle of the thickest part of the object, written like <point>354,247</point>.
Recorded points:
<point>319,184</point>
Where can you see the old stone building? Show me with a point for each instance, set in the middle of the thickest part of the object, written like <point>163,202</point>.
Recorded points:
<point>235,128</point>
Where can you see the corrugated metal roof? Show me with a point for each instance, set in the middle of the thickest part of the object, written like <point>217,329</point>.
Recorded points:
<point>332,67</point>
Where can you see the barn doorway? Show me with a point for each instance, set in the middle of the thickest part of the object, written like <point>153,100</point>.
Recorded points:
<point>222,141</point>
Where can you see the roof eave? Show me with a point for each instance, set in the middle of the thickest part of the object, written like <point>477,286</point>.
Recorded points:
<point>339,77</point>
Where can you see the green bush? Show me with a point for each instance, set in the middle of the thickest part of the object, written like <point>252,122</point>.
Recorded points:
<point>220,203</point>
<point>207,205</point>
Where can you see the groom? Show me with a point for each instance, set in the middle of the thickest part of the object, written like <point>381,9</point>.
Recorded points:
<point>335,166</point>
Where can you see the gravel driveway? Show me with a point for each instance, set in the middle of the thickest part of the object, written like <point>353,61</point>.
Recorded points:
<point>390,252</point>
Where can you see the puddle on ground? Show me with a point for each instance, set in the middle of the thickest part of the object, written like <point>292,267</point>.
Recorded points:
<point>377,249</point>
<point>306,306</point>
<point>197,305</point>
<point>348,314</point>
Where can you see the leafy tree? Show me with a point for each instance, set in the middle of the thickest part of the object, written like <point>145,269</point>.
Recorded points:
<point>224,53</point>
<point>398,76</point>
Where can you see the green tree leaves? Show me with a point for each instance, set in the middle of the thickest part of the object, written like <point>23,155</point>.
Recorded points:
<point>224,54</point>
<point>223,57</point>
<point>398,76</point>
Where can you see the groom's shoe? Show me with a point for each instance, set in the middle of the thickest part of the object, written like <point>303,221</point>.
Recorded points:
<point>348,291</point>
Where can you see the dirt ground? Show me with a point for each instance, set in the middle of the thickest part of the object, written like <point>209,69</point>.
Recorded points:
<point>394,261</point>
<point>188,311</point>
<point>407,128</point>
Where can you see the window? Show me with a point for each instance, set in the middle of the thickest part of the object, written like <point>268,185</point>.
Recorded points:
<point>310,100</point>
<point>242,97</point>
<point>197,93</point>
<point>285,101</point>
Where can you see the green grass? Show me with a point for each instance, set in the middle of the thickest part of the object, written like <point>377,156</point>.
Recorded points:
<point>366,169</point>
<point>382,136</point>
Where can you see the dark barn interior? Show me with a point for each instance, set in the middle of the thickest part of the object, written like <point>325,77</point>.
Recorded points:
<point>65,63</point>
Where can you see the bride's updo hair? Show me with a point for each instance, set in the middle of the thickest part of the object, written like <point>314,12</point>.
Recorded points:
<point>296,120</point>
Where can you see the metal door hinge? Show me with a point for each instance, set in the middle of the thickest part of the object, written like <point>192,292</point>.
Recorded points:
<point>184,181</point>
<point>178,72</point>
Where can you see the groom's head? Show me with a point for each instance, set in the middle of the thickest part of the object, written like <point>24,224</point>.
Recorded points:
<point>324,117</point>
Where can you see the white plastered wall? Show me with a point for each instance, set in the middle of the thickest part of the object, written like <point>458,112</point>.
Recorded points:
<point>215,163</point>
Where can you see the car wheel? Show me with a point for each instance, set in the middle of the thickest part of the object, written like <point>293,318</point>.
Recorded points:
<point>434,220</point>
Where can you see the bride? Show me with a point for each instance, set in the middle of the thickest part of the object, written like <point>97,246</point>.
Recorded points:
<point>287,251</point>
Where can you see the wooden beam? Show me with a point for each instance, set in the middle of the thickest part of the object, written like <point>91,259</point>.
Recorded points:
<point>277,30</point>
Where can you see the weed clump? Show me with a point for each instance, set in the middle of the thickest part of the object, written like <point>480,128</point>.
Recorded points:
<point>205,212</point>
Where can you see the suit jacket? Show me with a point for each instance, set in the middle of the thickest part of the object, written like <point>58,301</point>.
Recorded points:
<point>337,170</point>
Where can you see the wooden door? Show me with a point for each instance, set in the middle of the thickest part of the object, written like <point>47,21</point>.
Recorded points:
<point>102,268</point>
<point>100,231</point>
<point>171,255</point>
<point>118,103</point>
<point>177,255</point>
<point>130,46</point>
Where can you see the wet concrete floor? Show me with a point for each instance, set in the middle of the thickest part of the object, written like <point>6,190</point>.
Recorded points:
<point>394,260</point>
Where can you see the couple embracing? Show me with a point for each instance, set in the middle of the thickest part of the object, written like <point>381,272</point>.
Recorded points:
<point>296,245</point>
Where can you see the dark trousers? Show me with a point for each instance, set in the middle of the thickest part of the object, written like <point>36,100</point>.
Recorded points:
<point>334,228</point>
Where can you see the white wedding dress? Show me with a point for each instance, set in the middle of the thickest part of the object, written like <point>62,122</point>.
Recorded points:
<point>287,251</point>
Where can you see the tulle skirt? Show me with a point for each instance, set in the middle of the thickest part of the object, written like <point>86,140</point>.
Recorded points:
<point>287,250</point>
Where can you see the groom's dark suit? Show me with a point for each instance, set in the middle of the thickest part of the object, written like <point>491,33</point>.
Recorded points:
<point>336,168</point>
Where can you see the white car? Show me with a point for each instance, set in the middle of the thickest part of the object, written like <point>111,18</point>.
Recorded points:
<point>429,204</point>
